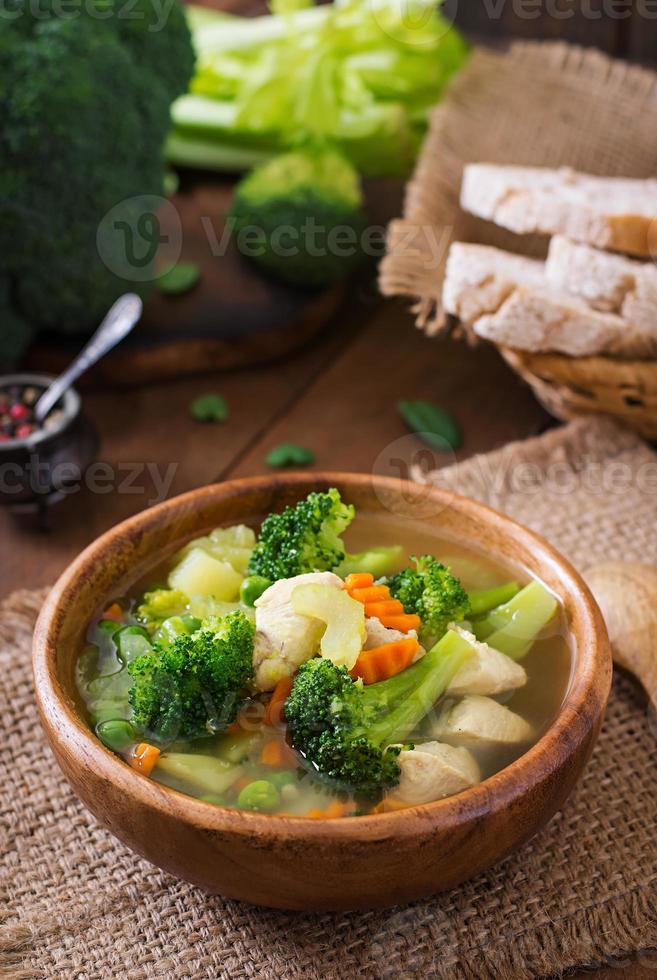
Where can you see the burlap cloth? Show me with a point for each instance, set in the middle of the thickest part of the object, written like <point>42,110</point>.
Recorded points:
<point>76,903</point>
<point>539,104</point>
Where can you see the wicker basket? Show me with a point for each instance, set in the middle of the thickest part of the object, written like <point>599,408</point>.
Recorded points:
<point>549,105</point>
<point>570,386</point>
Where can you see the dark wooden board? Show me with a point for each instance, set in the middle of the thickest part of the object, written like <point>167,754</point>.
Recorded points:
<point>233,317</point>
<point>589,24</point>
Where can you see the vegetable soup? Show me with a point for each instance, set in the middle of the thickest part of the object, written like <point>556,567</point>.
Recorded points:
<point>325,665</point>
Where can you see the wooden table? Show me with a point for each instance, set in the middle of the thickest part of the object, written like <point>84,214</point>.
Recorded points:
<point>338,397</point>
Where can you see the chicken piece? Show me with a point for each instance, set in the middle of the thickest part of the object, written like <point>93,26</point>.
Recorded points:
<point>487,671</point>
<point>432,771</point>
<point>480,722</point>
<point>284,638</point>
<point>378,635</point>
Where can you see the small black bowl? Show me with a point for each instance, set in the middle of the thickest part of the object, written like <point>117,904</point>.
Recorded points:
<point>40,468</point>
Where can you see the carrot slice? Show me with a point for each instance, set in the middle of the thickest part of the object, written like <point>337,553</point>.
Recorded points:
<point>358,580</point>
<point>144,758</point>
<point>114,612</point>
<point>391,607</point>
<point>274,710</point>
<point>409,621</point>
<point>374,593</point>
<point>388,805</point>
<point>278,755</point>
<point>334,809</point>
<point>380,663</point>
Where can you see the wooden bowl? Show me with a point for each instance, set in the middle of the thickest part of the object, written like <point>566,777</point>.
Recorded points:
<point>295,863</point>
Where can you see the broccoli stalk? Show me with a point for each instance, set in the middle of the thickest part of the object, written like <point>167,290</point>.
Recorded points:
<point>305,538</point>
<point>431,592</point>
<point>376,561</point>
<point>347,732</point>
<point>193,686</point>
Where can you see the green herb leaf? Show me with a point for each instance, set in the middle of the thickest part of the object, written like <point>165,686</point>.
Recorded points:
<point>209,408</point>
<point>288,454</point>
<point>431,423</point>
<point>179,278</point>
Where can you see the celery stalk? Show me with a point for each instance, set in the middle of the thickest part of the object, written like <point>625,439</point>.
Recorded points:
<point>483,600</point>
<point>513,627</point>
<point>184,151</point>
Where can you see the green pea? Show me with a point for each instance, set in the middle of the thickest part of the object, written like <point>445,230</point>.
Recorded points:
<point>116,734</point>
<point>261,795</point>
<point>252,588</point>
<point>109,626</point>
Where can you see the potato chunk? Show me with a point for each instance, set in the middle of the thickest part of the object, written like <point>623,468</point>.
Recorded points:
<point>198,573</point>
<point>434,770</point>
<point>480,722</point>
<point>487,672</point>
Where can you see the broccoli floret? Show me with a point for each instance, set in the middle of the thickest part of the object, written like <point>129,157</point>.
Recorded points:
<point>305,538</point>
<point>83,119</point>
<point>300,216</point>
<point>195,685</point>
<point>431,592</point>
<point>347,731</point>
<point>160,605</point>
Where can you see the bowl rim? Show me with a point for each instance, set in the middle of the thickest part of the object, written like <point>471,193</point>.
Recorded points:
<point>584,701</point>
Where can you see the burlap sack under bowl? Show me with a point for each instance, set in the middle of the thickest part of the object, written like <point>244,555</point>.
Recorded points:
<point>544,105</point>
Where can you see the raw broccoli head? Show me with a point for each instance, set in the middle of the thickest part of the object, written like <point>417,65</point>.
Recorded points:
<point>160,605</point>
<point>351,734</point>
<point>83,119</point>
<point>304,212</point>
<point>304,538</point>
<point>194,686</point>
<point>430,591</point>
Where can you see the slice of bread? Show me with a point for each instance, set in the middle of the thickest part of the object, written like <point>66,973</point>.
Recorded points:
<point>608,212</point>
<point>606,282</point>
<point>544,320</point>
<point>601,279</point>
<point>579,302</point>
<point>478,278</point>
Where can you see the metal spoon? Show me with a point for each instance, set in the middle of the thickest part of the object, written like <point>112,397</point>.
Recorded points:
<point>117,324</point>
